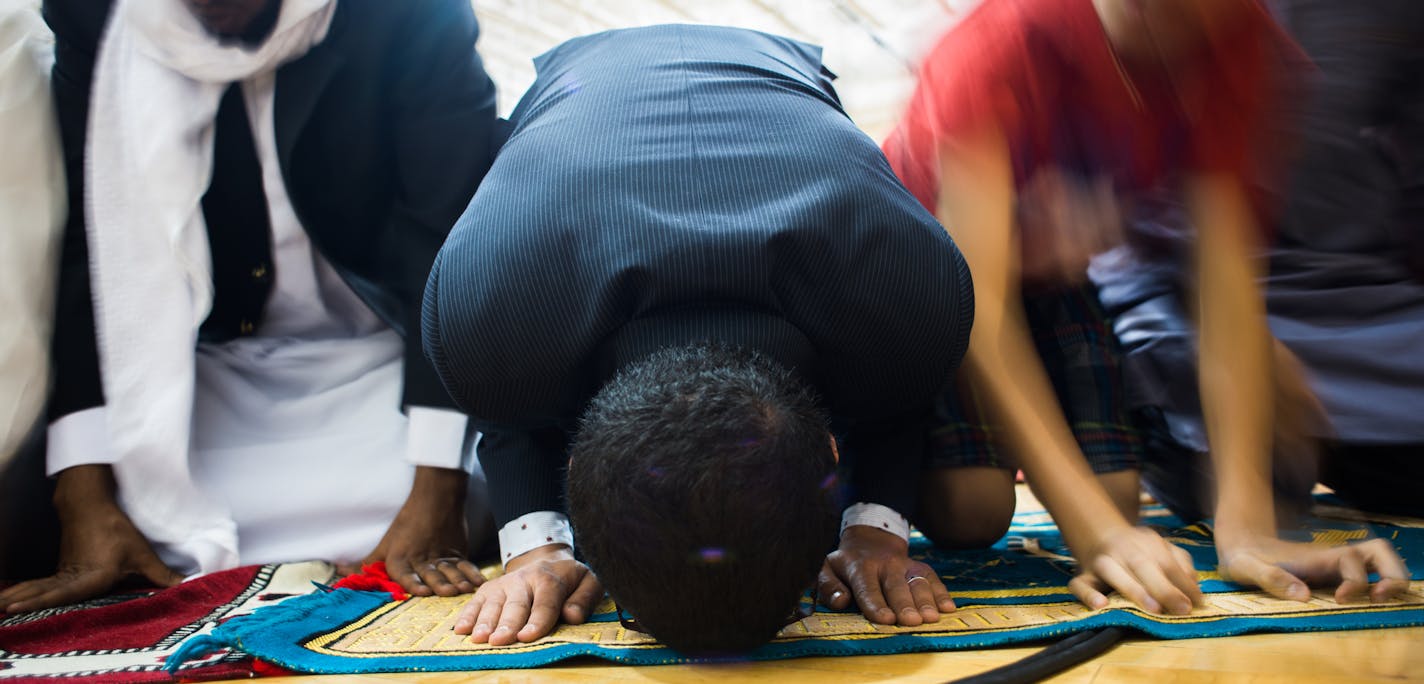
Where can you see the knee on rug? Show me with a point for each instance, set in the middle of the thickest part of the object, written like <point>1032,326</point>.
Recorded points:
<point>966,508</point>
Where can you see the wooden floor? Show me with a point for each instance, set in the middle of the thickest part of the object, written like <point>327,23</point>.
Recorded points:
<point>1385,655</point>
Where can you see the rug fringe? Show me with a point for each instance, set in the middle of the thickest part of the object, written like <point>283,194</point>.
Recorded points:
<point>196,647</point>
<point>203,645</point>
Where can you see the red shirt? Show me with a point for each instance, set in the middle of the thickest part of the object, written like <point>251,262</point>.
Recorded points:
<point>1043,72</point>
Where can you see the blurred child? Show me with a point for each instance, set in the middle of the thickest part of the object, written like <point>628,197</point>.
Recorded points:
<point>1036,124</point>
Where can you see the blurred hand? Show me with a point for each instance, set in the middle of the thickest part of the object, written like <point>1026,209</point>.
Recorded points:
<point>99,547</point>
<point>424,548</point>
<point>888,587</point>
<point>1142,566</point>
<point>526,602</point>
<point>1286,569</point>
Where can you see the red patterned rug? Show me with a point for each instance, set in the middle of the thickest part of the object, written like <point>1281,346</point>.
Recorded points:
<point>126,637</point>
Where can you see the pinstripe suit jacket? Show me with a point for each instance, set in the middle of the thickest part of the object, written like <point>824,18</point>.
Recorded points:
<point>673,184</point>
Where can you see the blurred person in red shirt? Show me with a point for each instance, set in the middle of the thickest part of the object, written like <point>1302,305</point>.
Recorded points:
<point>1036,126</point>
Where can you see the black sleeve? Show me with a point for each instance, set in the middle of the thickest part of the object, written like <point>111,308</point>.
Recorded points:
<point>525,470</point>
<point>77,27</point>
<point>885,459</point>
<point>444,132</point>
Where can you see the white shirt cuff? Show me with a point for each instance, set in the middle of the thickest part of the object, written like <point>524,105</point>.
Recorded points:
<point>80,438</point>
<point>877,516</point>
<point>533,530</point>
<point>436,438</point>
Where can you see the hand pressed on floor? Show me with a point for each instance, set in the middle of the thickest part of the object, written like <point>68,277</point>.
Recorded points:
<point>875,567</point>
<point>537,589</point>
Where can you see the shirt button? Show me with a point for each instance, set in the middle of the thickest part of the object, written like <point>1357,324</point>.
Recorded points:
<point>260,272</point>
<point>245,327</point>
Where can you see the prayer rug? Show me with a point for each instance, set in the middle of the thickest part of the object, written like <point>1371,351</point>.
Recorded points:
<point>1013,593</point>
<point>128,637</point>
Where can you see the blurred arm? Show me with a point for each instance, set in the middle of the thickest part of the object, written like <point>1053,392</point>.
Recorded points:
<point>976,207</point>
<point>1234,370</point>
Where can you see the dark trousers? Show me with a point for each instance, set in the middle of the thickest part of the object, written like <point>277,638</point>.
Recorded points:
<point>1376,477</point>
<point>29,527</point>
<point>1181,478</point>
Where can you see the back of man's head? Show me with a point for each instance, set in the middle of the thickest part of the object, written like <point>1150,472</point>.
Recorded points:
<point>701,491</point>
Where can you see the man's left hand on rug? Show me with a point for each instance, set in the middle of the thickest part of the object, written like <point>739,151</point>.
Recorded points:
<point>424,548</point>
<point>887,584</point>
<point>538,588</point>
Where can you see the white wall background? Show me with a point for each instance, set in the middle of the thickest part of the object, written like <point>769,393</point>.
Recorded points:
<point>872,45</point>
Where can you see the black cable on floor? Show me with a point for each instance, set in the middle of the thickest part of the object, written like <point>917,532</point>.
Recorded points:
<point>1062,655</point>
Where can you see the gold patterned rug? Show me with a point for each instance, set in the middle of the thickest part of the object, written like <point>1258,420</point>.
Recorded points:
<point>1013,593</point>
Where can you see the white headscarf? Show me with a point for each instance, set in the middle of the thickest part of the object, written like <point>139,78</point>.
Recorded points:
<point>157,83</point>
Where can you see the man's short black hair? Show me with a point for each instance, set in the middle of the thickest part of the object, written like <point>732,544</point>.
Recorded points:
<point>701,491</point>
